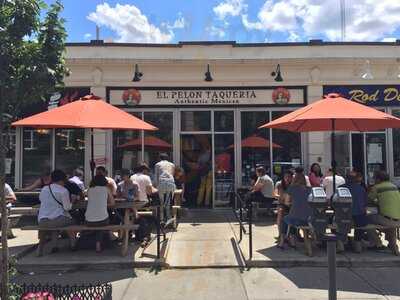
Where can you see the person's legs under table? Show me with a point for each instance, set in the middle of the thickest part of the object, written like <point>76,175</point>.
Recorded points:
<point>99,233</point>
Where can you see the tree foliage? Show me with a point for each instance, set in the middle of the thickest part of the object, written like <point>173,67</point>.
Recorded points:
<point>32,66</point>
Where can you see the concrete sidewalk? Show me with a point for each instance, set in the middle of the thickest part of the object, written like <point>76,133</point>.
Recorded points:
<point>232,284</point>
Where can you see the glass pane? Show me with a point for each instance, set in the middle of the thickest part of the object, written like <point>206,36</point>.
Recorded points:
<point>195,120</point>
<point>160,140</point>
<point>127,148</point>
<point>9,141</point>
<point>255,144</point>
<point>36,154</point>
<point>70,149</point>
<point>197,164</point>
<point>396,147</point>
<point>357,150</point>
<point>376,154</point>
<point>342,153</point>
<point>286,148</point>
<point>224,169</point>
<point>223,121</point>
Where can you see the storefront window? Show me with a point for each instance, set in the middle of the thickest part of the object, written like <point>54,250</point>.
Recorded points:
<point>286,148</point>
<point>342,153</point>
<point>127,148</point>
<point>396,147</point>
<point>156,142</point>
<point>69,149</point>
<point>255,144</point>
<point>9,141</point>
<point>223,121</point>
<point>195,120</point>
<point>36,154</point>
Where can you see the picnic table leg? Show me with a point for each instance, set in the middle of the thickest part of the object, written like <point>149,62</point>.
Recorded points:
<point>307,242</point>
<point>42,240</point>
<point>127,221</point>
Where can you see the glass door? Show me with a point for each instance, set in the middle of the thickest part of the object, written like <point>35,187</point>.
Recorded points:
<point>375,154</point>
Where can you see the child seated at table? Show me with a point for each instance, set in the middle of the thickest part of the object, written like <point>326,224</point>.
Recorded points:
<point>99,198</point>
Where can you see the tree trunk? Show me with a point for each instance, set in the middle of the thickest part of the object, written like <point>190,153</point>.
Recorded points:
<point>4,217</point>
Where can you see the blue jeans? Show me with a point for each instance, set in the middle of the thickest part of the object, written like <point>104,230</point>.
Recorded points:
<point>294,222</point>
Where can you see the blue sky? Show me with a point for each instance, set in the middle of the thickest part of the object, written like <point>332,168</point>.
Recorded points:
<point>171,21</point>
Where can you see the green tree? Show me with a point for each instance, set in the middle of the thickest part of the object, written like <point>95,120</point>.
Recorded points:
<point>32,66</point>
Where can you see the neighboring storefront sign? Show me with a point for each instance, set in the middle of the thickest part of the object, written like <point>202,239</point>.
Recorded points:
<point>207,96</point>
<point>66,96</point>
<point>372,95</point>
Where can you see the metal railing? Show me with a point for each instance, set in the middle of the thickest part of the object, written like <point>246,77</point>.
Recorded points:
<point>244,211</point>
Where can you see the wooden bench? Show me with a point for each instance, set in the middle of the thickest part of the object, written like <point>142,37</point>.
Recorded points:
<point>308,234</point>
<point>78,228</point>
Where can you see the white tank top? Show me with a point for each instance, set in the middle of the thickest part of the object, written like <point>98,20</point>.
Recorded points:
<point>97,204</point>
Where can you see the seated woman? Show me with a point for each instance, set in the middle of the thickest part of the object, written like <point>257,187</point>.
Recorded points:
<point>99,198</point>
<point>281,189</point>
<point>55,205</point>
<point>300,211</point>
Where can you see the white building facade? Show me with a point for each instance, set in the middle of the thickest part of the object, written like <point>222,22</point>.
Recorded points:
<point>208,123</point>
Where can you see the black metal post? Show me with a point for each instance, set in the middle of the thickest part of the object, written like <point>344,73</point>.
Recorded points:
<point>92,163</point>
<point>158,231</point>
<point>240,220</point>
<point>333,157</point>
<point>250,211</point>
<point>331,246</point>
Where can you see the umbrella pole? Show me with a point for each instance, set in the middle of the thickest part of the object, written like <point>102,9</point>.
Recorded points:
<point>331,238</point>
<point>92,163</point>
<point>333,163</point>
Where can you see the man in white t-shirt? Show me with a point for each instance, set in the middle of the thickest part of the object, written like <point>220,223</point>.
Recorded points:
<point>144,182</point>
<point>10,198</point>
<point>78,178</point>
<point>327,183</point>
<point>263,190</point>
<point>165,183</point>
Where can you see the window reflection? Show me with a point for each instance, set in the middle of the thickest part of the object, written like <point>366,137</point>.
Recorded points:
<point>196,120</point>
<point>223,121</point>
<point>286,150</point>
<point>396,146</point>
<point>160,140</point>
<point>36,154</point>
<point>70,149</point>
<point>342,153</point>
<point>255,143</point>
<point>127,148</point>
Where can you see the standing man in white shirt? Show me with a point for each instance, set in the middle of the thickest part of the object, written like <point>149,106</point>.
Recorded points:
<point>165,183</point>
<point>10,199</point>
<point>327,183</point>
<point>55,205</point>
<point>144,182</point>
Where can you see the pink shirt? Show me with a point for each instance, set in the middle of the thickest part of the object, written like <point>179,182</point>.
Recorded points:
<point>315,180</point>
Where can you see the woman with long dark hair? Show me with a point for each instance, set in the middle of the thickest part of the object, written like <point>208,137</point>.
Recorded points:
<point>315,175</point>
<point>281,189</point>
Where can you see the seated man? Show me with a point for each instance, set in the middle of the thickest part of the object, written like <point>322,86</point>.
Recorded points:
<point>10,198</point>
<point>263,189</point>
<point>112,185</point>
<point>359,211</point>
<point>55,205</point>
<point>127,189</point>
<point>77,178</point>
<point>386,195</point>
<point>142,179</point>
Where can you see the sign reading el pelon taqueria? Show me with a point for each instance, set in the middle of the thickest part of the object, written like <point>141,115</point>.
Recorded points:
<point>206,96</point>
<point>371,95</point>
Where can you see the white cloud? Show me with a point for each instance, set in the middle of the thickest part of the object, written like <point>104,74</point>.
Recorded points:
<point>366,19</point>
<point>179,23</point>
<point>230,8</point>
<point>389,39</point>
<point>216,31</point>
<point>130,25</point>
<point>87,36</point>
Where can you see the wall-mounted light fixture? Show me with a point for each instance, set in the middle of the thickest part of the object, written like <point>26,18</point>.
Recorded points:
<point>367,73</point>
<point>277,73</point>
<point>138,75</point>
<point>207,74</point>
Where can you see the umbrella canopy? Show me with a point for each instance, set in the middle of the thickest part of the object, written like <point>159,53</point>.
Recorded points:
<point>334,113</point>
<point>256,142</point>
<point>149,141</point>
<point>88,112</point>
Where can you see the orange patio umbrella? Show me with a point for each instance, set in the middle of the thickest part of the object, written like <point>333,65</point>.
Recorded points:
<point>334,113</point>
<point>148,141</point>
<point>88,112</point>
<point>256,142</point>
